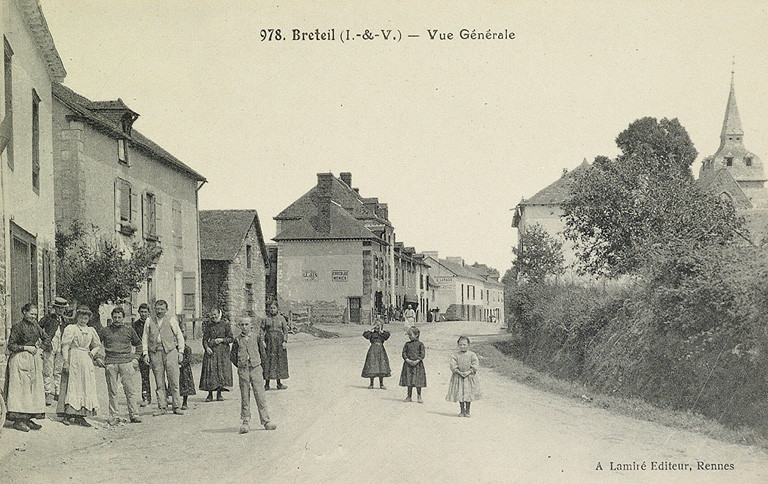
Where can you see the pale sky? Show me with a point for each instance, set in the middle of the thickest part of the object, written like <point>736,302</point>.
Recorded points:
<point>451,134</point>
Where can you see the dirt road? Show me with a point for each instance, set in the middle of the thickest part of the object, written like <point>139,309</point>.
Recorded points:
<point>331,428</point>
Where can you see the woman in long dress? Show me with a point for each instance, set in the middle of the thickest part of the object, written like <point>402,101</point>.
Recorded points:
<point>216,373</point>
<point>80,344</point>
<point>275,331</point>
<point>376,360</point>
<point>24,391</point>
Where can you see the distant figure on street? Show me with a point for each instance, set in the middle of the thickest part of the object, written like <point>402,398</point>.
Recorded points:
<point>275,330</point>
<point>464,387</point>
<point>163,346</point>
<point>80,348</point>
<point>121,365</point>
<point>245,356</point>
<point>216,372</point>
<point>52,323</point>
<point>410,318</point>
<point>376,361</point>
<point>24,390</point>
<point>413,374</point>
<point>138,327</point>
<point>186,380</point>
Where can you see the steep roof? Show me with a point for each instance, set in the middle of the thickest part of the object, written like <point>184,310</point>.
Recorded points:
<point>732,121</point>
<point>37,25</point>
<point>341,193</point>
<point>222,233</point>
<point>557,192</point>
<point>87,110</point>
<point>342,226</point>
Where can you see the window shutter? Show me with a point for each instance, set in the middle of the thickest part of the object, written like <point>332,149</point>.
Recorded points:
<point>144,221</point>
<point>158,218</point>
<point>134,207</point>
<point>117,205</point>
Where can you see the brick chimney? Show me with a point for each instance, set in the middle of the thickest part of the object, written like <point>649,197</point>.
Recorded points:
<point>382,210</point>
<point>371,203</point>
<point>346,177</point>
<point>455,260</point>
<point>322,221</point>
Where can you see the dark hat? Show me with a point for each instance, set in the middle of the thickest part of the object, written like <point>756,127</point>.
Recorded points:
<point>60,302</point>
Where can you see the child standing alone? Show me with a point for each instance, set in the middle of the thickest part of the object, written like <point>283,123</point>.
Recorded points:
<point>376,360</point>
<point>464,387</point>
<point>186,380</point>
<point>413,374</point>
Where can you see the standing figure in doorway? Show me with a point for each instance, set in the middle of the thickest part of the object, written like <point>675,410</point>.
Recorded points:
<point>216,373</point>
<point>275,330</point>
<point>376,361</point>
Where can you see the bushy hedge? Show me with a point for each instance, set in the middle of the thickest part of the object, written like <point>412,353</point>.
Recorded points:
<point>697,344</point>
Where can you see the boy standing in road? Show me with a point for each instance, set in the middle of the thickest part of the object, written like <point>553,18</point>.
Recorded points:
<point>245,356</point>
<point>120,363</point>
<point>163,348</point>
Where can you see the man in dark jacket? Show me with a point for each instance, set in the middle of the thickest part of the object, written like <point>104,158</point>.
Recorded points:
<point>138,326</point>
<point>51,323</point>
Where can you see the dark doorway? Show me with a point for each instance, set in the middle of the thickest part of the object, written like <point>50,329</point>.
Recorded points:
<point>354,309</point>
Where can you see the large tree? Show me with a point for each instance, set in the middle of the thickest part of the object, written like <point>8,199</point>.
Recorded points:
<point>538,255</point>
<point>94,270</point>
<point>621,211</point>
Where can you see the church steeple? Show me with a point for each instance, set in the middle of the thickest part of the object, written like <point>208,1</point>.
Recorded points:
<point>732,122</point>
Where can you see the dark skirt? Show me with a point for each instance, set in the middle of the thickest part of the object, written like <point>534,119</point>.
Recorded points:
<point>186,380</point>
<point>413,376</point>
<point>275,357</point>
<point>217,369</point>
<point>376,362</point>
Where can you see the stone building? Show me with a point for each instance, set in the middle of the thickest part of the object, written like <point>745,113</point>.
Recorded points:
<point>736,174</point>
<point>335,253</point>
<point>108,174</point>
<point>235,262</point>
<point>461,292</point>
<point>545,209</point>
<point>27,234</point>
<point>409,281</point>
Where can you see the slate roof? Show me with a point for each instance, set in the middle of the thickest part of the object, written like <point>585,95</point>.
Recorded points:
<point>557,192</point>
<point>342,194</point>
<point>466,271</point>
<point>87,110</point>
<point>222,233</point>
<point>342,226</point>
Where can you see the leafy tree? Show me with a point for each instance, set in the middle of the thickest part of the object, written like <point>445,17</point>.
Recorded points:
<point>620,211</point>
<point>538,255</point>
<point>94,270</point>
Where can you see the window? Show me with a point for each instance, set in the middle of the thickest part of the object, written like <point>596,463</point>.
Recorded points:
<point>249,299</point>
<point>728,161</point>
<point>35,142</point>
<point>188,287</point>
<point>150,216</point>
<point>248,256</point>
<point>8,67</point>
<point>123,200</point>
<point>122,152</point>
<point>748,161</point>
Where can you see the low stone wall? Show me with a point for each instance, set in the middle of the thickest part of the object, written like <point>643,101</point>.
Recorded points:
<point>315,311</point>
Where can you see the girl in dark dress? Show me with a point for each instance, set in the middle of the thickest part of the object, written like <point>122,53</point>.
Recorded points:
<point>186,380</point>
<point>376,361</point>
<point>275,362</point>
<point>24,392</point>
<point>413,374</point>
<point>216,374</point>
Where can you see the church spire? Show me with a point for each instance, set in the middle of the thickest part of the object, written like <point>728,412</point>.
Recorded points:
<point>732,122</point>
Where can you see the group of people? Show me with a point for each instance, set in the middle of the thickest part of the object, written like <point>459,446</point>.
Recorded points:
<point>54,359</point>
<point>463,387</point>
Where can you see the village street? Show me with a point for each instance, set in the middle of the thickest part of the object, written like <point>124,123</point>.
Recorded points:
<point>331,428</point>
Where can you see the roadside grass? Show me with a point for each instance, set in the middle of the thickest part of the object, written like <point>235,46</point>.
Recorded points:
<point>510,367</point>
